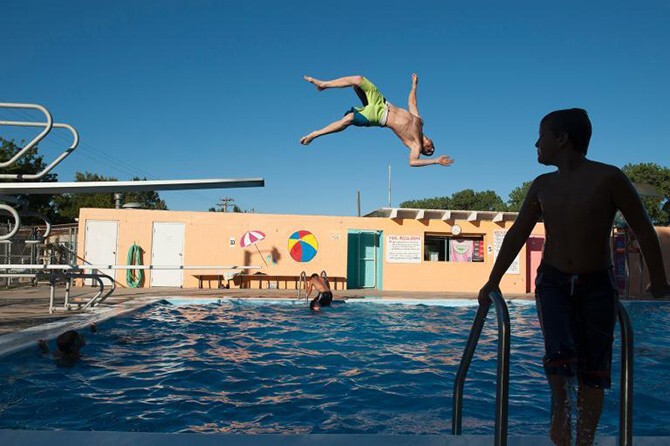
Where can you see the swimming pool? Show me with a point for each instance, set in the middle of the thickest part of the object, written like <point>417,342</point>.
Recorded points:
<point>273,367</point>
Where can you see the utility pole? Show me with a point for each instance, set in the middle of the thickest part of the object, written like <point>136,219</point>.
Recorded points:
<point>224,202</point>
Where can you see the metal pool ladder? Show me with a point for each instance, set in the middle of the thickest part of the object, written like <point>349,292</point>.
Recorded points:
<point>502,380</point>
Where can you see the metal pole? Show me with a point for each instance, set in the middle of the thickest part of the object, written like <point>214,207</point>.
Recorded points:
<point>389,185</point>
<point>358,202</point>
<point>626,402</point>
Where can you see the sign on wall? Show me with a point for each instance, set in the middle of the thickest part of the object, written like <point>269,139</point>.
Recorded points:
<point>498,237</point>
<point>403,248</point>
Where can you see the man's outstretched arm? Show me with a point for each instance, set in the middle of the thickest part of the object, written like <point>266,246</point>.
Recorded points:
<point>416,161</point>
<point>411,102</point>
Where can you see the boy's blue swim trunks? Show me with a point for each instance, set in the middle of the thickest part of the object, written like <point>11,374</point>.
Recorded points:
<point>577,313</point>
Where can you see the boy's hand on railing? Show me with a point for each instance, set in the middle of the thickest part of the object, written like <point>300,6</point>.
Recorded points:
<point>485,291</point>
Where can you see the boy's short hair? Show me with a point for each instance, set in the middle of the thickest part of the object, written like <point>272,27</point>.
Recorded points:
<point>314,275</point>
<point>67,341</point>
<point>575,123</point>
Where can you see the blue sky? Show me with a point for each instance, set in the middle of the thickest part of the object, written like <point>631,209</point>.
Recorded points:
<point>213,89</point>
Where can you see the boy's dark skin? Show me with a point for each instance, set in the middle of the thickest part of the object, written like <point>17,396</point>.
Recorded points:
<point>577,203</point>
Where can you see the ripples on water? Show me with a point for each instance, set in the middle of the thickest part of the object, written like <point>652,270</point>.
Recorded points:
<point>244,367</point>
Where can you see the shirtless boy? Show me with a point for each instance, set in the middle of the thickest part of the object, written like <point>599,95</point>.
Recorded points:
<point>324,296</point>
<point>377,112</point>
<point>575,293</point>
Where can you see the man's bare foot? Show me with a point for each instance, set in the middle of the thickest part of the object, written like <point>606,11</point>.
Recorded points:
<point>305,140</point>
<point>317,83</point>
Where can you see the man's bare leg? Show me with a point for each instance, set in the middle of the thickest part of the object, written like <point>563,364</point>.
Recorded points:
<point>589,408</point>
<point>342,82</point>
<point>560,411</point>
<point>333,127</point>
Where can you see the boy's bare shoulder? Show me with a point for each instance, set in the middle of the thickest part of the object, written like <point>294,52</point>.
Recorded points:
<point>542,180</point>
<point>604,172</point>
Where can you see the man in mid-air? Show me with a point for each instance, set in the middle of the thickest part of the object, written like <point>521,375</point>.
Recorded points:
<point>377,112</point>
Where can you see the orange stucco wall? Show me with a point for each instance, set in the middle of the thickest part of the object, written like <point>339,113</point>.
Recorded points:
<point>208,235</point>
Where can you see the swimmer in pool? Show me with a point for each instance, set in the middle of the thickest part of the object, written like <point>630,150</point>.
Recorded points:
<point>324,296</point>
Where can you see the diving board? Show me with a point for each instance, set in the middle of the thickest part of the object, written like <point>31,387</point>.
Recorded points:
<point>127,186</point>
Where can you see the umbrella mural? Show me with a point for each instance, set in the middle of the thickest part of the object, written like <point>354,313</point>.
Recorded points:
<point>250,238</point>
<point>302,246</point>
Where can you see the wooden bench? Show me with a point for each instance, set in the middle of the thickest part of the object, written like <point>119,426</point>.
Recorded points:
<point>209,277</point>
<point>265,281</point>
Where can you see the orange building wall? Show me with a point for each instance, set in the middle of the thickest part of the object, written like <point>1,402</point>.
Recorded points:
<point>208,234</point>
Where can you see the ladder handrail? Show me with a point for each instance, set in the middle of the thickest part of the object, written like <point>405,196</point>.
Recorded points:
<point>626,399</point>
<point>47,128</point>
<point>502,381</point>
<point>324,276</point>
<point>301,282</point>
<point>502,385</point>
<point>54,163</point>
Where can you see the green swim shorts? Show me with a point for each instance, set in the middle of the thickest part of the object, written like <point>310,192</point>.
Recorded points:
<point>375,113</point>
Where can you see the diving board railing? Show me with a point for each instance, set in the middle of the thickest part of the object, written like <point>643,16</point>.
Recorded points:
<point>55,272</point>
<point>47,128</point>
<point>48,125</point>
<point>502,380</point>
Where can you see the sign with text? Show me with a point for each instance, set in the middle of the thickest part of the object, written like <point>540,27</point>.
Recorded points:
<point>498,237</point>
<point>403,248</point>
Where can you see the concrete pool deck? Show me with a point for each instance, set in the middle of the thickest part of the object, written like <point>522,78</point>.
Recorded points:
<point>28,306</point>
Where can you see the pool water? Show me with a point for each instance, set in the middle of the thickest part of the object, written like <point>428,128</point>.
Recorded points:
<point>249,367</point>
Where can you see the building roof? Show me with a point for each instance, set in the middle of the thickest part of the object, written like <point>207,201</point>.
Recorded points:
<point>443,214</point>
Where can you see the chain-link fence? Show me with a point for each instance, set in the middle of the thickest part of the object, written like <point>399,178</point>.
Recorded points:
<point>26,248</point>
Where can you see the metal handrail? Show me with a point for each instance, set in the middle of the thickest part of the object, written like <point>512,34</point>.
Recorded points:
<point>54,163</point>
<point>17,221</point>
<point>47,128</point>
<point>324,276</point>
<point>502,382</point>
<point>301,283</point>
<point>626,400</point>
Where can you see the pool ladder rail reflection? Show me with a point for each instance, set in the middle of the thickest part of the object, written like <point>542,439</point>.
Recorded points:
<point>502,380</point>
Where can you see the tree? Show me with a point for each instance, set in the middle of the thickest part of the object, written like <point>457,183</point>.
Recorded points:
<point>29,163</point>
<point>149,199</point>
<point>470,200</point>
<point>428,203</point>
<point>68,205</point>
<point>517,196</point>
<point>466,199</point>
<point>657,176</point>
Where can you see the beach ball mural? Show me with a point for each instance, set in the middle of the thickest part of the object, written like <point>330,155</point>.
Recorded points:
<point>302,246</point>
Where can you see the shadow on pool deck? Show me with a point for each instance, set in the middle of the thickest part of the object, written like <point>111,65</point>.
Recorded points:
<point>28,306</point>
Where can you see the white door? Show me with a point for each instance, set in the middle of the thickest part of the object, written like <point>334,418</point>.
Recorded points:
<point>167,248</point>
<point>101,245</point>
